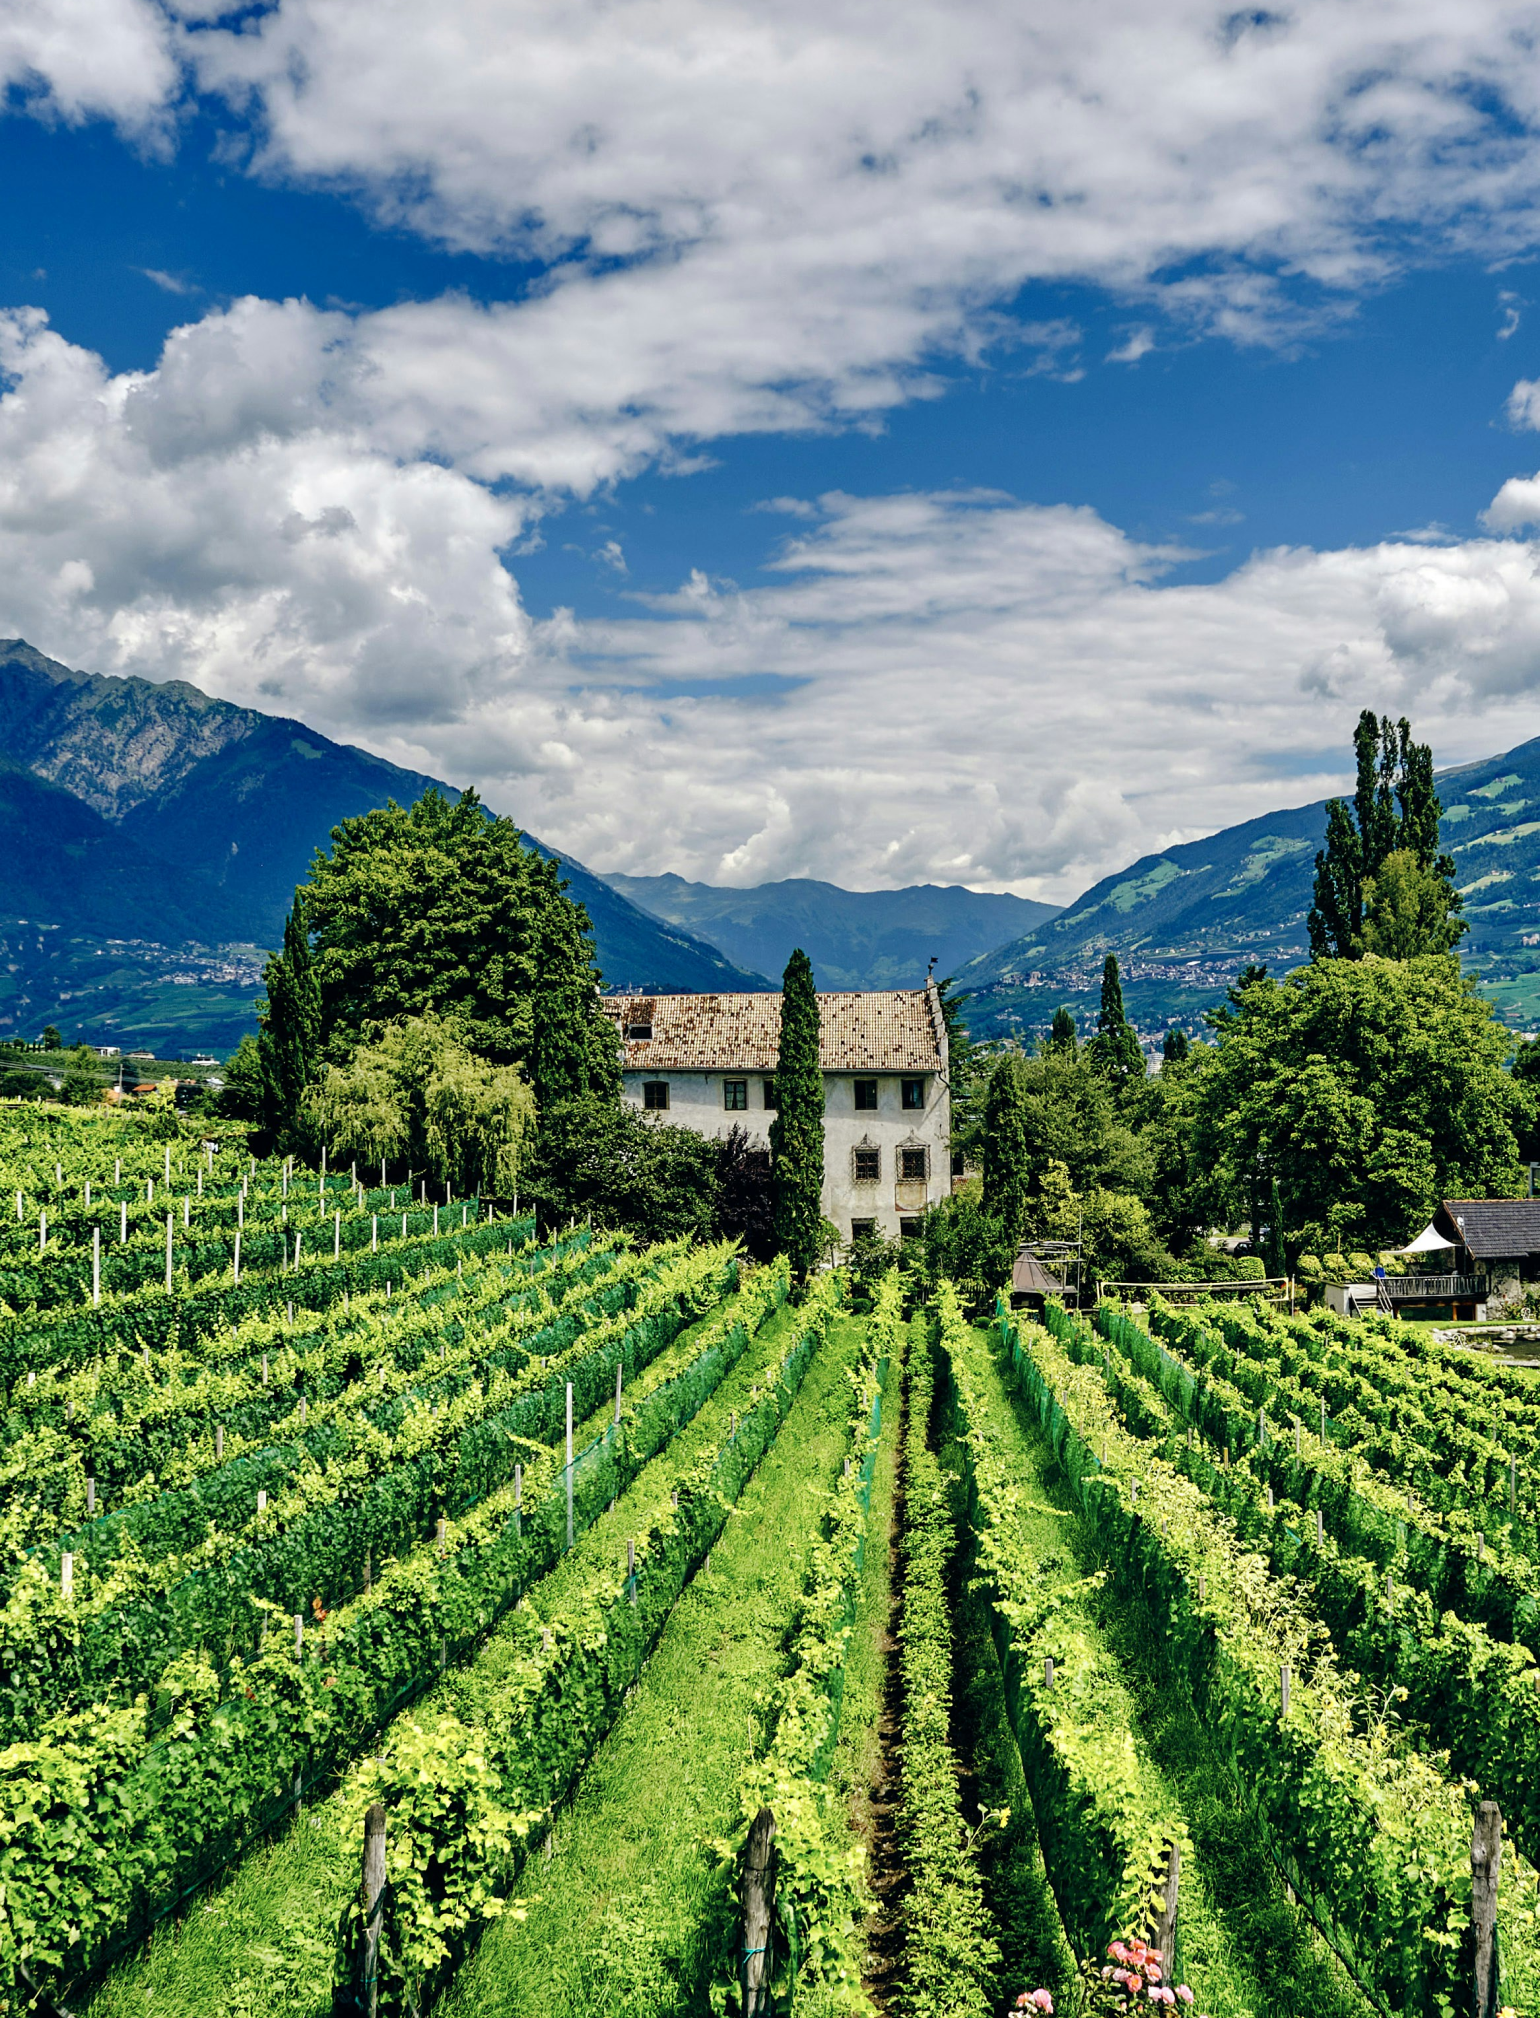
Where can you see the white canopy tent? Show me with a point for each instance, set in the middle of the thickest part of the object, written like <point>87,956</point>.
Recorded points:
<point>1429,1240</point>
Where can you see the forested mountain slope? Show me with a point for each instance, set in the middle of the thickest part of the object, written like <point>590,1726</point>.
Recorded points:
<point>1184,921</point>
<point>147,819</point>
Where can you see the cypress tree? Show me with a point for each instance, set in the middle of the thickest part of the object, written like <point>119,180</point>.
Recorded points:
<point>1116,1047</point>
<point>289,1042</point>
<point>1061,1034</point>
<point>1005,1148</point>
<point>796,1133</point>
<point>1176,1046</point>
<point>1111,1017</point>
<point>1275,1261</point>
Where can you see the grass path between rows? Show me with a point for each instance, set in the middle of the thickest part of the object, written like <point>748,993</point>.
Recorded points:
<point>626,1914</point>
<point>260,1943</point>
<point>1246,1952</point>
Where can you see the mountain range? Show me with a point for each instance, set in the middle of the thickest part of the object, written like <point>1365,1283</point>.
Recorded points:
<point>854,938</point>
<point>152,838</point>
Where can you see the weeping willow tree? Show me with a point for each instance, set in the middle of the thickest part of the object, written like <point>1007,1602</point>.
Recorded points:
<point>420,1096</point>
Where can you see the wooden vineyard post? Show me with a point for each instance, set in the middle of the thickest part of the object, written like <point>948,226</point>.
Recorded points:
<point>1486,1851</point>
<point>1162,1934</point>
<point>758,1903</point>
<point>569,1465</point>
<point>374,1907</point>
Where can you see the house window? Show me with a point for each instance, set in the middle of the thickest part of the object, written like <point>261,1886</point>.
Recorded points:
<point>735,1095</point>
<point>769,1086</point>
<point>655,1093</point>
<point>638,1033</point>
<point>863,1229</point>
<point>913,1165</point>
<point>910,1229</point>
<point>914,1096</point>
<point>866,1096</point>
<point>959,1168</point>
<point>866,1165</point>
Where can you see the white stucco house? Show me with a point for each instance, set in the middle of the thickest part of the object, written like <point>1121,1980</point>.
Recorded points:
<point>708,1062</point>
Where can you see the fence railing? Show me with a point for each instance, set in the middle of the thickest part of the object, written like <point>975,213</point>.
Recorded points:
<point>1436,1288</point>
<point>1277,1288</point>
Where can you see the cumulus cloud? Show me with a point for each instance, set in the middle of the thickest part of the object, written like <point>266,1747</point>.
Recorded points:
<point>77,59</point>
<point>211,521</point>
<point>989,692</point>
<point>753,219</point>
<point>774,220</point>
<point>928,686</point>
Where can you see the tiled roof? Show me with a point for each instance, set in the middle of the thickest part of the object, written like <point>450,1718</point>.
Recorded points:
<point>887,1031</point>
<point>1495,1228</point>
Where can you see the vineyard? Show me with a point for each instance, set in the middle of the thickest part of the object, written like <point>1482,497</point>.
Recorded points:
<point>401,1611</point>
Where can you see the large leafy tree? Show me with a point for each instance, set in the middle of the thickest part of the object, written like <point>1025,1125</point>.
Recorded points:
<point>1073,1118</point>
<point>1381,884</point>
<point>619,1168</point>
<point>440,909</point>
<point>289,1040</point>
<point>745,1195</point>
<point>796,1133</point>
<point>1364,1091</point>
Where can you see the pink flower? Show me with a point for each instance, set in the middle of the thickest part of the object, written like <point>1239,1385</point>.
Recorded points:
<point>1184,1993</point>
<point>1034,2000</point>
<point>1161,1993</point>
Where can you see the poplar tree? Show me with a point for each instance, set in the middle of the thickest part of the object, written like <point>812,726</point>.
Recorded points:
<point>796,1133</point>
<point>1006,1150</point>
<point>289,1039</point>
<point>1381,884</point>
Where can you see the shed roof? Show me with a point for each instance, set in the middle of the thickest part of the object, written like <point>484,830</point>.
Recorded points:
<point>888,1030</point>
<point>1030,1278</point>
<point>1492,1228</point>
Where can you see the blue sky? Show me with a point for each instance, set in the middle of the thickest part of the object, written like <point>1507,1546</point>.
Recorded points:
<point>977,453</point>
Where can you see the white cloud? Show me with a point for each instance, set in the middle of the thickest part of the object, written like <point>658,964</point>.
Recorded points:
<point>168,283</point>
<point>775,220</point>
<point>1516,505</point>
<point>1139,343</point>
<point>1001,694</point>
<point>770,219</point>
<point>945,686</point>
<point>948,686</point>
<point>72,59</point>
<point>211,522</point>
